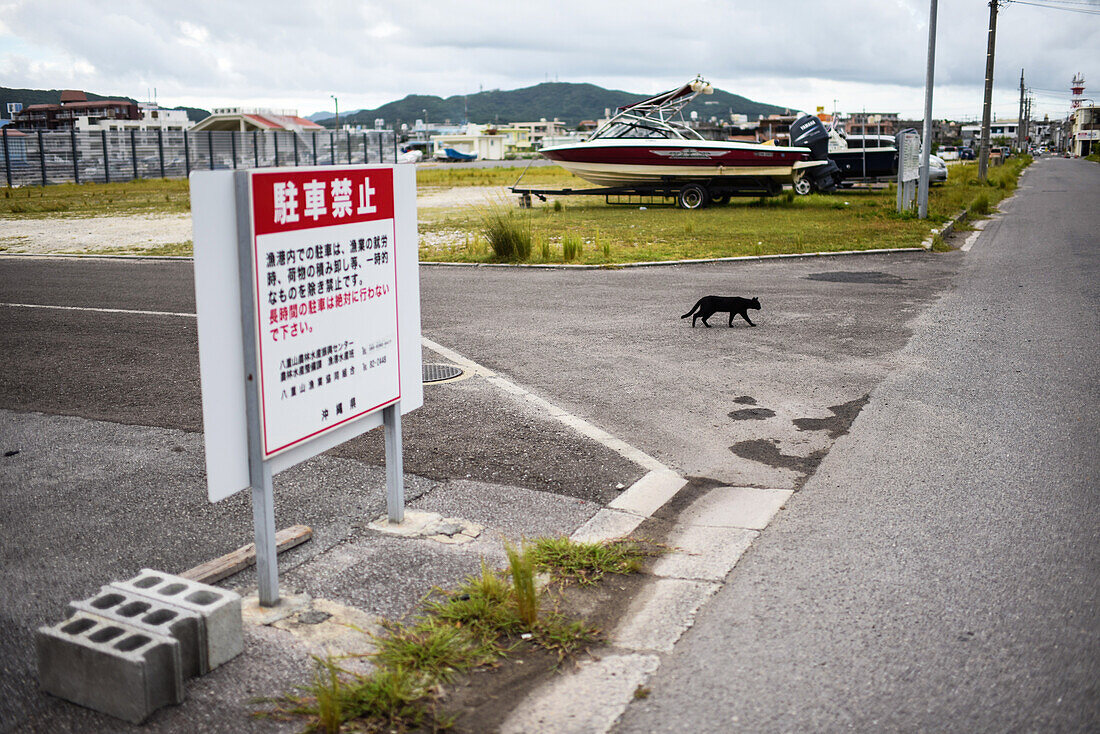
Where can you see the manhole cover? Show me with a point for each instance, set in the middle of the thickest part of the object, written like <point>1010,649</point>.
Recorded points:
<point>440,372</point>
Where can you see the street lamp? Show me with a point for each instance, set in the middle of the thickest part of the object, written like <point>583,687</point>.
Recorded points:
<point>337,103</point>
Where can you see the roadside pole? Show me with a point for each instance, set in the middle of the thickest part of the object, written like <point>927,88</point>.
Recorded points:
<point>983,153</point>
<point>926,150</point>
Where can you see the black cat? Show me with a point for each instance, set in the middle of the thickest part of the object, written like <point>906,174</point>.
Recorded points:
<point>708,305</point>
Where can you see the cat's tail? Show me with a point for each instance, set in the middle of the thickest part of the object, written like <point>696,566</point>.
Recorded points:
<point>693,309</point>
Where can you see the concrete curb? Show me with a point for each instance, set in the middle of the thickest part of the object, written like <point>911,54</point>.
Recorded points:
<point>709,538</point>
<point>529,266</point>
<point>945,230</point>
<point>668,263</point>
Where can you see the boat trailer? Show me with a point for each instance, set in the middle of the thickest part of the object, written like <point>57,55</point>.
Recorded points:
<point>694,194</point>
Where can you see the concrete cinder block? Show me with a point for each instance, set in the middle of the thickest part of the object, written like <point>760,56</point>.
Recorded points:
<point>152,615</point>
<point>219,609</point>
<point>109,666</point>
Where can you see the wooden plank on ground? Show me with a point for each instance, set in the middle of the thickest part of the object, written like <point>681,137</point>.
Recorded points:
<point>245,556</point>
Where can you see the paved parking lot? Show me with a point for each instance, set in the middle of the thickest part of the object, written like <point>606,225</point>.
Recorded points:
<point>103,407</point>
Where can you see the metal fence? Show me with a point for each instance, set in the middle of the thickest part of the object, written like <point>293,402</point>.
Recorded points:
<point>50,157</point>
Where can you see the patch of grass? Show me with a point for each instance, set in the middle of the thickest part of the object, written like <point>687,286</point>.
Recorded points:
<point>172,249</point>
<point>472,626</point>
<point>979,206</point>
<point>587,563</point>
<point>508,232</point>
<point>432,647</point>
<point>445,176</point>
<point>522,566</point>
<point>939,244</point>
<point>571,246</point>
<point>145,196</point>
<point>852,219</point>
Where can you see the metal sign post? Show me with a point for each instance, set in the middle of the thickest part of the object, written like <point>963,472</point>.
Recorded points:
<point>908,144</point>
<point>300,275</point>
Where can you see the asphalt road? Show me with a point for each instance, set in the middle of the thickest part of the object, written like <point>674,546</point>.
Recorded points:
<point>940,571</point>
<point>103,409</point>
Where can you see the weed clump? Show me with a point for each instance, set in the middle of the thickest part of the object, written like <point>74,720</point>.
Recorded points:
<point>571,246</point>
<point>472,626</point>
<point>979,206</point>
<point>507,233</point>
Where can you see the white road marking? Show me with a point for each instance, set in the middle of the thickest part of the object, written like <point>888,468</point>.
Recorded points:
<point>98,310</point>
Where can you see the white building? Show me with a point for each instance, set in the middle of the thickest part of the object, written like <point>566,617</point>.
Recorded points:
<point>1085,130</point>
<point>152,118</point>
<point>972,134</point>
<point>475,140</point>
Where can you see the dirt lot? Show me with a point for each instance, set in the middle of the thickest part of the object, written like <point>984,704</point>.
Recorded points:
<point>97,234</point>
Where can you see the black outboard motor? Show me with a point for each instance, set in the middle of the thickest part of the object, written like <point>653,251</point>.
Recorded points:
<point>808,132</point>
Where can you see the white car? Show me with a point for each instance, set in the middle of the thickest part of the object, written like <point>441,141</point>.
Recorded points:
<point>937,170</point>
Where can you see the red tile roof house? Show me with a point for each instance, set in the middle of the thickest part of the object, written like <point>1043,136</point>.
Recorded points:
<point>247,120</point>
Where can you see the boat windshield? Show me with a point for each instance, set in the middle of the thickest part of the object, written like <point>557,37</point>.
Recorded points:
<point>657,117</point>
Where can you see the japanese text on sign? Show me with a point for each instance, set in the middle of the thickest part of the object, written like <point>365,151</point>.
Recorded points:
<point>326,300</point>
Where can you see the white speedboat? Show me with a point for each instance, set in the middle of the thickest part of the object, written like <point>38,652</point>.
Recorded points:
<point>649,143</point>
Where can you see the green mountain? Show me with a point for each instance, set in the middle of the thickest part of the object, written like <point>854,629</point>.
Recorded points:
<point>568,102</point>
<point>53,96</point>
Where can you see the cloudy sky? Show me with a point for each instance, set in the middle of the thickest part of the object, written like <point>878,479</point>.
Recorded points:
<point>851,54</point>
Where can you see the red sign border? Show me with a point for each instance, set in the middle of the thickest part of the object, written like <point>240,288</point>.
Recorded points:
<point>258,308</point>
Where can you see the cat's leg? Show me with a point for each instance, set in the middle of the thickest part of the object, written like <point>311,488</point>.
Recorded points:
<point>744,315</point>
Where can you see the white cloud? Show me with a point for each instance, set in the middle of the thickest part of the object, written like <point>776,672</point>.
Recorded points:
<point>863,53</point>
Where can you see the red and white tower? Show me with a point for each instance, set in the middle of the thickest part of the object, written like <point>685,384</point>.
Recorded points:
<point>1077,87</point>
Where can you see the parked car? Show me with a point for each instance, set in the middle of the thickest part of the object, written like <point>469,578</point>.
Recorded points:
<point>948,152</point>
<point>937,170</point>
<point>967,154</point>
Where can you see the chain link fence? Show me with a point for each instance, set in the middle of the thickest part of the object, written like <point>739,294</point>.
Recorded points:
<point>51,157</point>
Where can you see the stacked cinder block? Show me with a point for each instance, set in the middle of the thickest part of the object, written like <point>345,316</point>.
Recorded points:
<point>127,650</point>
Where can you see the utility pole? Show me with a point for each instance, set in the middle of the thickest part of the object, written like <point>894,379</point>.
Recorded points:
<point>1020,136</point>
<point>1027,124</point>
<point>926,148</point>
<point>983,155</point>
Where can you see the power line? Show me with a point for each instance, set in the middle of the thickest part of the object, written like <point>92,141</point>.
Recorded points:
<point>1091,9</point>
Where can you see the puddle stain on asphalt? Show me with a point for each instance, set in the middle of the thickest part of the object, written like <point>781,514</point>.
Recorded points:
<point>752,414</point>
<point>843,417</point>
<point>766,450</point>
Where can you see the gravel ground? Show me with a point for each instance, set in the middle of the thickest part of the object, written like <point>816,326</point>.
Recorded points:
<point>96,234</point>
<point>91,234</point>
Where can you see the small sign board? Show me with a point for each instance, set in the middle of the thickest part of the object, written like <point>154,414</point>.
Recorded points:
<point>325,284</point>
<point>326,258</point>
<point>908,155</point>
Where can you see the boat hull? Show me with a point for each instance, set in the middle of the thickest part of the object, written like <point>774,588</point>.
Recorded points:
<point>642,161</point>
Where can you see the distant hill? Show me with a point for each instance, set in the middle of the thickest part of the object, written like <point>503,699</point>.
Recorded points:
<point>566,101</point>
<point>53,96</point>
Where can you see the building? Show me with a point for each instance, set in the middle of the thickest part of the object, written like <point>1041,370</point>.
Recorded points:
<point>536,131</point>
<point>1085,130</point>
<point>871,123</point>
<point>74,105</point>
<point>242,119</point>
<point>486,143</point>
<point>1001,132</point>
<point>152,118</point>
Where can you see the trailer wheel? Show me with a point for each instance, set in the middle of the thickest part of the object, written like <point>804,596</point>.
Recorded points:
<point>803,186</point>
<point>720,200</point>
<point>693,196</point>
